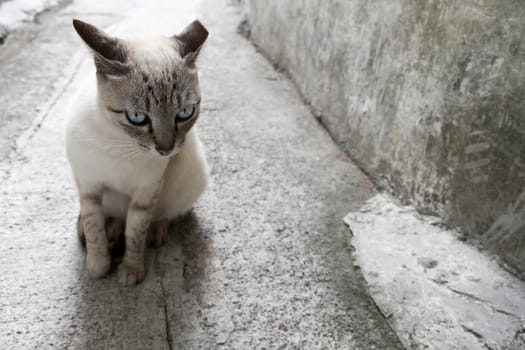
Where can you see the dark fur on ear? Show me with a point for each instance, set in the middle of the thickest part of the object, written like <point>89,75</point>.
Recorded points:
<point>190,41</point>
<point>110,54</point>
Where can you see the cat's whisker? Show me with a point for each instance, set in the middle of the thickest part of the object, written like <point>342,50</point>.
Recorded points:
<point>131,154</point>
<point>110,145</point>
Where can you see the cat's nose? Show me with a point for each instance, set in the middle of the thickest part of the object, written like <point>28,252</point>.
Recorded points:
<point>164,151</point>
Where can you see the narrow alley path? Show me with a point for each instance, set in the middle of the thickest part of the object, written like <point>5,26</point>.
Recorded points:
<point>263,262</point>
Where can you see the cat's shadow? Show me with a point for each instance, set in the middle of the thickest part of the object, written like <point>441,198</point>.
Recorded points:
<point>184,257</point>
<point>114,316</point>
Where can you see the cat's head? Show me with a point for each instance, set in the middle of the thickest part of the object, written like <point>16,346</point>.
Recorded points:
<point>148,88</point>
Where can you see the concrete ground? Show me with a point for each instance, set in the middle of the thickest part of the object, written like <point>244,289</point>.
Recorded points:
<point>437,289</point>
<point>263,262</point>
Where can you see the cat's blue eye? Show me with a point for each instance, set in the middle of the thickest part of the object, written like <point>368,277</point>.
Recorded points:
<point>137,118</point>
<point>186,113</point>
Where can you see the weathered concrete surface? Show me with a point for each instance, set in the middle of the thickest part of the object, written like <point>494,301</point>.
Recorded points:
<point>14,14</point>
<point>437,291</point>
<point>32,77</point>
<point>427,97</point>
<point>262,263</point>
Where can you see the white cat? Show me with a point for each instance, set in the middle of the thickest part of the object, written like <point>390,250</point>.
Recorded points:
<point>136,160</point>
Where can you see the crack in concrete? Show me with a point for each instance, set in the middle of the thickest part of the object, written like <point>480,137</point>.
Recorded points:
<point>387,318</point>
<point>478,336</point>
<point>54,100</point>
<point>519,337</point>
<point>479,300</point>
<point>169,337</point>
<point>516,337</point>
<point>226,339</point>
<point>25,137</point>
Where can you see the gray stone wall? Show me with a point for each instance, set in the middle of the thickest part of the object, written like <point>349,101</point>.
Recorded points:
<point>427,96</point>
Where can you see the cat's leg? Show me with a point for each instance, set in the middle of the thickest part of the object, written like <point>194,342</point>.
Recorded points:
<point>92,219</point>
<point>138,221</point>
<point>80,231</point>
<point>115,233</point>
<point>115,208</point>
<point>158,233</point>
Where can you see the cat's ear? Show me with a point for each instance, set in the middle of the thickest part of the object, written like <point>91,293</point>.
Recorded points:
<point>191,38</point>
<point>110,54</point>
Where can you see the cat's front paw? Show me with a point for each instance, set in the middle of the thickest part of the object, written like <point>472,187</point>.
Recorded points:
<point>98,264</point>
<point>130,275</point>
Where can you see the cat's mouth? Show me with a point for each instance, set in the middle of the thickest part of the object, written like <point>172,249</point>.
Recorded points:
<point>159,154</point>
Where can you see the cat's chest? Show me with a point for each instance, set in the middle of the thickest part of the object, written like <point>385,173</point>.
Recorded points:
<point>121,173</point>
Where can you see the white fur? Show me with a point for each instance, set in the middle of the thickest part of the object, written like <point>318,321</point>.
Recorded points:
<point>101,154</point>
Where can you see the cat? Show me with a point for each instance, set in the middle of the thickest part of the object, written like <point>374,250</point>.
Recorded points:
<point>135,156</point>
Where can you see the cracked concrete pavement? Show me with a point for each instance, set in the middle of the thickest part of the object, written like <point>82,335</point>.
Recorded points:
<point>436,290</point>
<point>262,262</point>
